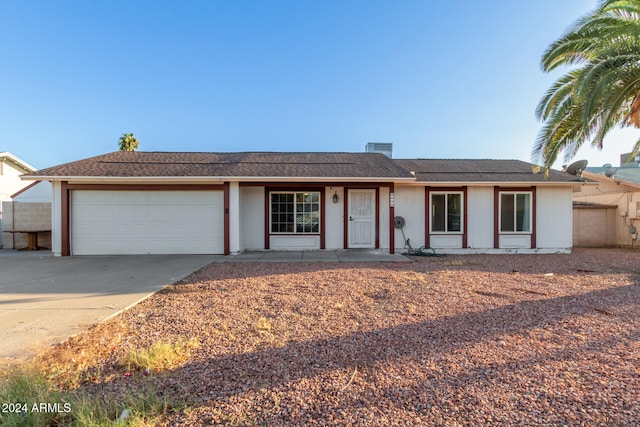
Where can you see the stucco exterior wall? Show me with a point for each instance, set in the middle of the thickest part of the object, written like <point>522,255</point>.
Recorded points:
<point>251,218</point>
<point>480,217</point>
<point>252,221</point>
<point>409,204</point>
<point>334,212</point>
<point>554,217</point>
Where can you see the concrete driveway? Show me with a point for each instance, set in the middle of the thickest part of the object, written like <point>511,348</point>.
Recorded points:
<point>45,300</point>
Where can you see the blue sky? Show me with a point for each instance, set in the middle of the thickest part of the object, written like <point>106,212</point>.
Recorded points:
<point>438,79</point>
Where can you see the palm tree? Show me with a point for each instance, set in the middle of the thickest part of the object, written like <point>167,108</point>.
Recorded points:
<point>128,142</point>
<point>601,92</point>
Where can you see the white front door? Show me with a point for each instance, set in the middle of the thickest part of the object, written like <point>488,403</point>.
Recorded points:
<point>362,218</point>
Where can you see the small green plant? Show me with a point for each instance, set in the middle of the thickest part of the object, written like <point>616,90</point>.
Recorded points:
<point>32,401</point>
<point>142,408</point>
<point>263,324</point>
<point>160,355</point>
<point>23,391</point>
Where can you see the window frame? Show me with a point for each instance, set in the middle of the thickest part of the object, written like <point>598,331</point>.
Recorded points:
<point>446,216</point>
<point>295,213</point>
<point>530,222</point>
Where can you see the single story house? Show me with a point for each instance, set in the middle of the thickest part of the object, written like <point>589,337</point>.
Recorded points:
<point>226,203</point>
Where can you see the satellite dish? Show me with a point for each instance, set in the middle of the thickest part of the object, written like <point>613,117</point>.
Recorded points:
<point>398,222</point>
<point>610,172</point>
<point>576,168</point>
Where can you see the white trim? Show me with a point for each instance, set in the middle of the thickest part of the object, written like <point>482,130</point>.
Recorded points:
<point>410,182</point>
<point>135,179</point>
<point>504,184</point>
<point>17,161</point>
<point>208,179</point>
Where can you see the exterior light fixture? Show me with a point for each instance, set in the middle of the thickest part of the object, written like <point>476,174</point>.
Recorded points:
<point>335,197</point>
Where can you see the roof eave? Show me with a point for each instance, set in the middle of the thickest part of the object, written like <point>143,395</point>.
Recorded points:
<point>214,179</point>
<point>502,183</point>
<point>17,161</point>
<point>603,179</point>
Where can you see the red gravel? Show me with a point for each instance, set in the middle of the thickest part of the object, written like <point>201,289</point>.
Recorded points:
<point>459,340</point>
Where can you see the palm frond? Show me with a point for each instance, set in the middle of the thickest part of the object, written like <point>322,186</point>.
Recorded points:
<point>602,90</point>
<point>556,95</point>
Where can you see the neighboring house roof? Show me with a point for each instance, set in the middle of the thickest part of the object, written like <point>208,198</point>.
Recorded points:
<point>133,164</point>
<point>481,170</point>
<point>602,178</point>
<point>628,174</point>
<point>16,161</point>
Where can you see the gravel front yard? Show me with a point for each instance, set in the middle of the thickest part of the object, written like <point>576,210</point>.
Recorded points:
<point>459,340</point>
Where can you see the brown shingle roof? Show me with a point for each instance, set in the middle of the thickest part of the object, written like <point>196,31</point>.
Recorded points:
<point>466,170</point>
<point>140,164</point>
<point>253,164</point>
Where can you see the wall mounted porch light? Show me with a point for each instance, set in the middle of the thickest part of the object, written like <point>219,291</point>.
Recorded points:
<point>335,197</point>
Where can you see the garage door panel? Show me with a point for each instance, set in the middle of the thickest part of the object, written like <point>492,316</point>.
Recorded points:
<point>153,222</point>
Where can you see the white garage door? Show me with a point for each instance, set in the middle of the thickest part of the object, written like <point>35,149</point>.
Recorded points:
<point>147,222</point>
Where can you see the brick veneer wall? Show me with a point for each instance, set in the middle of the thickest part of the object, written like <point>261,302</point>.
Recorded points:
<point>27,216</point>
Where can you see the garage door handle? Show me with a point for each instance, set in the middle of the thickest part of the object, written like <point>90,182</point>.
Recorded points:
<point>350,218</point>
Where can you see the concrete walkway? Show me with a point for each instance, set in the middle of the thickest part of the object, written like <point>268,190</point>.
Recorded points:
<point>315,256</point>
